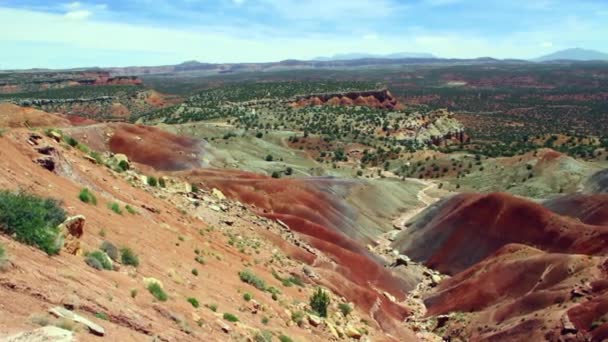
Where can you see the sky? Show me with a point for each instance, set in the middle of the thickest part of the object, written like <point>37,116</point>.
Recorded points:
<point>64,34</point>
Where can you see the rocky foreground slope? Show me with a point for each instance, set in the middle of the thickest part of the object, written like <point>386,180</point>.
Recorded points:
<point>228,269</point>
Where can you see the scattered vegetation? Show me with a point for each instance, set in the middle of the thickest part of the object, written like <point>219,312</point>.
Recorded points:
<point>110,250</point>
<point>250,278</point>
<point>345,309</point>
<point>319,302</point>
<point>194,302</point>
<point>31,220</point>
<point>157,291</point>
<point>87,196</point>
<point>99,258</point>
<point>131,210</point>
<point>128,257</point>
<point>247,296</point>
<point>152,181</point>
<point>102,315</point>
<point>230,317</point>
<point>115,207</point>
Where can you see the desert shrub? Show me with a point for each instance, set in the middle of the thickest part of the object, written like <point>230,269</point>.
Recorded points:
<point>248,277</point>
<point>152,181</point>
<point>102,315</point>
<point>284,338</point>
<point>195,272</point>
<point>131,210</point>
<point>297,317</point>
<point>32,220</point>
<point>115,207</point>
<point>158,292</point>
<point>212,307</point>
<point>96,264</point>
<point>161,182</point>
<point>110,250</point>
<point>103,259</point>
<point>70,141</point>
<point>263,336</point>
<point>84,148</point>
<point>319,302</point>
<point>269,158</point>
<point>276,174</point>
<point>97,157</point>
<point>230,317</point>
<point>345,309</point>
<point>87,196</point>
<point>194,302</point>
<point>123,165</point>
<point>247,296</point>
<point>128,257</point>
<point>3,256</point>
<point>194,187</point>
<point>133,293</point>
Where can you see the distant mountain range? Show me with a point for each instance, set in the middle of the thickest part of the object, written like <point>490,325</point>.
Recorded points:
<point>358,55</point>
<point>575,54</point>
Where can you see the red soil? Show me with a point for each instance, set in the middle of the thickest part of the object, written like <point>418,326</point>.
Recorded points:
<point>590,209</point>
<point>154,147</point>
<point>14,116</point>
<point>470,227</point>
<point>319,218</point>
<point>517,293</point>
<point>375,99</point>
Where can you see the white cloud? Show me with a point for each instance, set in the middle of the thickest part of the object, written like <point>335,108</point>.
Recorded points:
<point>78,15</point>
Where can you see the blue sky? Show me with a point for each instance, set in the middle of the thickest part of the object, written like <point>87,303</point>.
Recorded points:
<point>59,34</point>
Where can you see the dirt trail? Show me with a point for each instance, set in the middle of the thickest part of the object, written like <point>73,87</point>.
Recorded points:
<point>423,197</point>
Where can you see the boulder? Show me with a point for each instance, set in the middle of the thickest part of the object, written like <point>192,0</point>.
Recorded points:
<point>314,320</point>
<point>44,334</point>
<point>352,332</point>
<point>47,163</point>
<point>72,230</point>
<point>218,194</point>
<point>402,260</point>
<point>94,328</point>
<point>332,329</point>
<point>223,326</point>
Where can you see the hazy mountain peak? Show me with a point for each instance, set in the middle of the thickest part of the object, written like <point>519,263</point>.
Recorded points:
<point>575,54</point>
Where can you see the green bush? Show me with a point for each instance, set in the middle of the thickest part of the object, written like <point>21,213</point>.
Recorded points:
<point>110,250</point>
<point>96,264</point>
<point>87,196</point>
<point>128,257</point>
<point>123,165</point>
<point>70,141</point>
<point>103,259</point>
<point>247,296</point>
<point>230,317</point>
<point>32,220</point>
<point>102,315</point>
<point>212,307</point>
<point>161,182</point>
<point>115,207</point>
<point>345,309</point>
<point>194,302</point>
<point>131,210</point>
<point>152,181</point>
<point>3,256</point>
<point>97,157</point>
<point>248,277</point>
<point>158,292</point>
<point>319,302</point>
<point>195,272</point>
<point>284,338</point>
